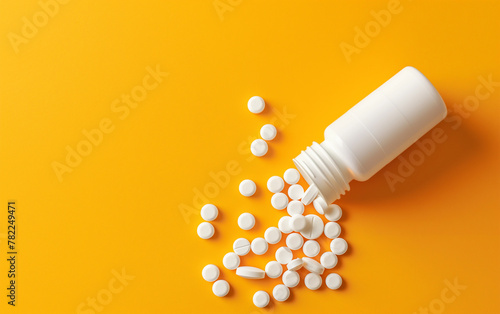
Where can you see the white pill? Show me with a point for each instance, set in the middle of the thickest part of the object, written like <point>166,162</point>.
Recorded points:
<point>210,273</point>
<point>313,266</point>
<point>209,212</point>
<point>311,248</point>
<point>258,147</point>
<point>284,224</point>
<point>338,246</point>
<point>295,207</point>
<point>284,255</point>
<point>332,230</point>
<point>295,264</point>
<point>275,184</point>
<point>328,260</point>
<point>313,281</point>
<point>247,188</point>
<point>268,132</point>
<point>256,104</point>
<point>295,192</point>
<point>241,246</point>
<point>259,246</point>
<point>279,201</point>
<point>246,221</point>
<point>320,205</point>
<point>205,230</point>
<point>298,223</point>
<point>220,288</point>
<point>310,194</point>
<point>314,227</point>
<point>250,272</point>
<point>290,278</point>
<point>231,261</point>
<point>333,212</point>
<point>291,176</point>
<point>273,269</point>
<point>333,281</point>
<point>294,241</point>
<point>272,235</point>
<point>281,293</point>
<point>261,299</point>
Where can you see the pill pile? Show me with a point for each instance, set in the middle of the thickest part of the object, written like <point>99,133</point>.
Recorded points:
<point>301,231</point>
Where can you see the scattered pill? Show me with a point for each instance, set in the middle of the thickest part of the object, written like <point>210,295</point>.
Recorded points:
<point>314,227</point>
<point>284,224</point>
<point>258,147</point>
<point>272,235</point>
<point>313,266</point>
<point>241,246</point>
<point>295,207</point>
<point>247,188</point>
<point>284,255</point>
<point>338,246</point>
<point>279,201</point>
<point>298,223</point>
<point>281,293</point>
<point>210,273</point>
<point>256,104</point>
<point>328,260</point>
<point>320,205</point>
<point>261,299</point>
<point>209,212</point>
<point>294,241</point>
<point>259,246</point>
<point>275,184</point>
<point>295,192</point>
<point>246,221</point>
<point>313,281</point>
<point>205,230</point>
<point>311,248</point>
<point>220,288</point>
<point>273,269</point>
<point>290,278</point>
<point>231,261</point>
<point>332,230</point>
<point>250,272</point>
<point>295,264</point>
<point>333,212</point>
<point>333,281</point>
<point>310,194</point>
<point>291,176</point>
<point>268,132</point>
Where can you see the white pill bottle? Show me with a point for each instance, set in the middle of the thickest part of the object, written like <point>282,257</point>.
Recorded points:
<point>372,133</point>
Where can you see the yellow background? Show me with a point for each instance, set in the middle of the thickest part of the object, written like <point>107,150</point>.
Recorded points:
<point>119,209</point>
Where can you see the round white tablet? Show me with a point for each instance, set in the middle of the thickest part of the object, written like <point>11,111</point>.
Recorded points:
<point>284,255</point>
<point>338,246</point>
<point>328,260</point>
<point>258,147</point>
<point>279,201</point>
<point>241,246</point>
<point>313,281</point>
<point>231,261</point>
<point>333,281</point>
<point>294,241</point>
<point>256,104</point>
<point>281,293</point>
<point>310,194</point>
<point>210,273</point>
<point>246,221</point>
<point>220,288</point>
<point>209,212</point>
<point>313,266</point>
<point>314,227</point>
<point>275,184</point>
<point>268,132</point>
<point>205,230</point>
<point>295,264</point>
<point>273,269</point>
<point>272,235</point>
<point>291,278</point>
<point>247,188</point>
<point>259,246</point>
<point>332,230</point>
<point>298,223</point>
<point>291,176</point>
<point>295,192</point>
<point>333,212</point>
<point>320,205</point>
<point>261,299</point>
<point>311,248</point>
<point>295,207</point>
<point>284,224</point>
<point>250,272</point>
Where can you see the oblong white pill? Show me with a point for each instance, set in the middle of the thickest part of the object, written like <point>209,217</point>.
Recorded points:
<point>284,224</point>
<point>273,269</point>
<point>310,194</point>
<point>220,288</point>
<point>275,184</point>
<point>295,207</point>
<point>247,188</point>
<point>205,230</point>
<point>314,227</point>
<point>295,264</point>
<point>241,246</point>
<point>209,212</point>
<point>284,255</point>
<point>259,147</point>
<point>333,281</point>
<point>281,293</point>
<point>261,299</point>
<point>290,278</point>
<point>279,201</point>
<point>250,272</point>
<point>210,273</point>
<point>332,230</point>
<point>328,260</point>
<point>268,132</point>
<point>295,192</point>
<point>291,176</point>
<point>320,205</point>
<point>338,246</point>
<point>298,223</point>
<point>256,104</point>
<point>313,281</point>
<point>246,221</point>
<point>313,266</point>
<point>259,246</point>
<point>272,235</point>
<point>294,241</point>
<point>333,212</point>
<point>231,261</point>
<point>311,248</point>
